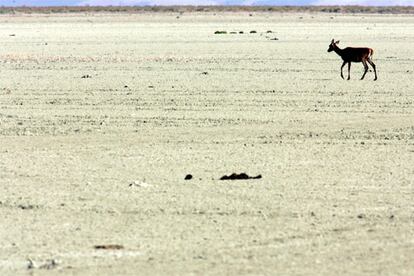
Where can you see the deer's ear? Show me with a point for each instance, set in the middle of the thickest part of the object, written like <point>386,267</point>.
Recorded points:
<point>337,42</point>
<point>332,40</point>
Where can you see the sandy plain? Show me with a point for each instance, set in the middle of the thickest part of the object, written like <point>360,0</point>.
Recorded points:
<point>92,103</point>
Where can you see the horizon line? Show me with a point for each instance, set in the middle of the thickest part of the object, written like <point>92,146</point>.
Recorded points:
<point>213,5</point>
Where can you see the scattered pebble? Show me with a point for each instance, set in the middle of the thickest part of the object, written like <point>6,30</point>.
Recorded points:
<point>361,216</point>
<point>188,177</point>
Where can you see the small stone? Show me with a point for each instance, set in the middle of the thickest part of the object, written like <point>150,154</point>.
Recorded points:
<point>188,177</point>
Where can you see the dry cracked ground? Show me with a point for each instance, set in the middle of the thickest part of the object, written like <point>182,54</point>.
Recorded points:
<point>103,115</point>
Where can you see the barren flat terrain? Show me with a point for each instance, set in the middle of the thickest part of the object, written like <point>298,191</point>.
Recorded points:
<point>103,115</point>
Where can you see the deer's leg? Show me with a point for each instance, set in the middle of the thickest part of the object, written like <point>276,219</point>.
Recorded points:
<point>365,67</point>
<point>343,64</point>
<point>349,70</point>
<point>373,66</point>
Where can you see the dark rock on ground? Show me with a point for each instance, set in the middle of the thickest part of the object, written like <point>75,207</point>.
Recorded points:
<point>241,176</point>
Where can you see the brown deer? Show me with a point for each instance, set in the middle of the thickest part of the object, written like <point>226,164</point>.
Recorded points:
<point>350,54</point>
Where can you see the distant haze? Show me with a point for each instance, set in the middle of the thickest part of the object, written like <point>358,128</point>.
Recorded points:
<point>202,2</point>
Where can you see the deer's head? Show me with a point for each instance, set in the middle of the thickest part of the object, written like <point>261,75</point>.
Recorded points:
<point>332,46</point>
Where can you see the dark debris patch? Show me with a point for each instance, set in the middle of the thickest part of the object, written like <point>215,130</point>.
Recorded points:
<point>241,176</point>
<point>109,247</point>
<point>48,264</point>
<point>188,177</point>
<point>27,206</point>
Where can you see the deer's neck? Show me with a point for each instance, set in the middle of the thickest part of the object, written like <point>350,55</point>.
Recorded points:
<point>338,50</point>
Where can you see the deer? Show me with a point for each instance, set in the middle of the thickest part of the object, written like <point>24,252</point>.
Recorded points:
<point>352,54</point>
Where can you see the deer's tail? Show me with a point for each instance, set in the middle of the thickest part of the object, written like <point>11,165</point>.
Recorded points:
<point>371,53</point>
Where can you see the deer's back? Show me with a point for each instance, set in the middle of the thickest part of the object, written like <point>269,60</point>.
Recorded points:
<point>355,54</point>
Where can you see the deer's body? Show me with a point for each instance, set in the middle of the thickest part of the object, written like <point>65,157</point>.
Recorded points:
<point>352,54</point>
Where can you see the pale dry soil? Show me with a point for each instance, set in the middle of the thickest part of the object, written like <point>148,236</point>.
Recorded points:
<point>92,103</point>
